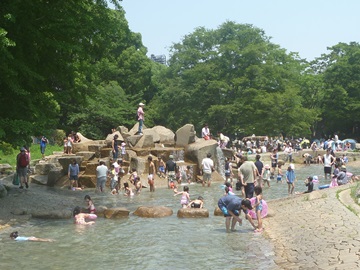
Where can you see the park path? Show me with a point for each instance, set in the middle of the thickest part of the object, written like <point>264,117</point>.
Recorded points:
<point>320,230</point>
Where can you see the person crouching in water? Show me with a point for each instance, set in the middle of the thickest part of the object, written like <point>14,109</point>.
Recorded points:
<point>231,207</point>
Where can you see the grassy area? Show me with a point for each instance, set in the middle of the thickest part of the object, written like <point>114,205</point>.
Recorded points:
<point>35,153</point>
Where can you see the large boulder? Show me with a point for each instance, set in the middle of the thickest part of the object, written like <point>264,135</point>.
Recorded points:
<point>185,135</point>
<point>53,214</point>
<point>117,212</point>
<point>139,163</point>
<point>122,129</point>
<point>88,181</point>
<point>96,148</point>
<point>65,161</point>
<point>91,167</point>
<point>87,155</point>
<point>197,151</point>
<point>110,138</point>
<point>153,133</point>
<point>44,168</point>
<point>146,141</point>
<point>39,179</point>
<point>153,211</point>
<point>85,145</point>
<point>193,213</point>
<point>135,129</point>
<point>218,212</point>
<point>54,175</point>
<point>132,140</point>
<point>167,136</point>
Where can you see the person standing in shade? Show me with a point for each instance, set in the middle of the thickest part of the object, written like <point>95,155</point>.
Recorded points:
<point>22,163</point>
<point>140,114</point>
<point>43,143</point>
<point>207,167</point>
<point>247,175</point>
<point>115,147</point>
<point>101,174</point>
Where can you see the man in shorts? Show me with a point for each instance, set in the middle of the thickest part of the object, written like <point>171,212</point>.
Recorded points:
<point>207,167</point>
<point>247,173</point>
<point>170,171</point>
<point>231,207</point>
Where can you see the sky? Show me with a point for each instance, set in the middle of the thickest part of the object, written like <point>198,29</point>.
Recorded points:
<point>303,26</point>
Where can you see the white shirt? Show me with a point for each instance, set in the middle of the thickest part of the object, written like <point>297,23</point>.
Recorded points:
<point>205,132</point>
<point>207,164</point>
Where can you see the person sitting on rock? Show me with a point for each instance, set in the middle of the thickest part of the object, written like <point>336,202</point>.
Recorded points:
<point>310,185</point>
<point>197,203</point>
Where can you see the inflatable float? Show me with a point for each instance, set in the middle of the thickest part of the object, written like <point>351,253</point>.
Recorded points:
<point>264,211</point>
<point>324,186</point>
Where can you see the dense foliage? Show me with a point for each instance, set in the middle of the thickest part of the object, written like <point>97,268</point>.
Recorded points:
<point>76,65</point>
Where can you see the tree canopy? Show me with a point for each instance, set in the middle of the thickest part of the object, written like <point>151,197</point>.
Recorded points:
<point>76,65</point>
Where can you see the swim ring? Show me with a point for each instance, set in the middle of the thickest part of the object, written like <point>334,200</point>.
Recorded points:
<point>92,216</point>
<point>264,211</point>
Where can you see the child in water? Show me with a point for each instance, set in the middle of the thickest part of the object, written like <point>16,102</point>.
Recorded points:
<point>258,207</point>
<point>185,198</point>
<point>161,168</point>
<point>229,186</point>
<point>80,217</point>
<point>128,190</point>
<point>189,174</point>
<point>279,175</point>
<point>135,180</point>
<point>266,175</point>
<point>290,179</point>
<point>197,203</point>
<point>90,205</point>
<point>15,236</point>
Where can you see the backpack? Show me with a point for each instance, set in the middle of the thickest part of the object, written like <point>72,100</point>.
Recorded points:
<point>23,160</point>
<point>136,116</point>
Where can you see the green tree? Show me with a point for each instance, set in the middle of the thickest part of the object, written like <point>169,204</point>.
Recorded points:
<point>235,79</point>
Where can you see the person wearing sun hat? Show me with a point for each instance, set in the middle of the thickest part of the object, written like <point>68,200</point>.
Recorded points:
<point>140,116</point>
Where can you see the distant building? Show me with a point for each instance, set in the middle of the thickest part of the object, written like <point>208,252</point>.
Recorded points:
<point>159,58</point>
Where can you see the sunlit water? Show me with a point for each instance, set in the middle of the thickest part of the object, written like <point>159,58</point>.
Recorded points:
<point>148,243</point>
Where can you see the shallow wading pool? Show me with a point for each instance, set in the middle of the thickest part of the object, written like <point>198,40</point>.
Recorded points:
<point>149,243</point>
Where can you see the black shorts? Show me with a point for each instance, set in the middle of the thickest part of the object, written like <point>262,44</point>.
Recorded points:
<point>273,164</point>
<point>327,170</point>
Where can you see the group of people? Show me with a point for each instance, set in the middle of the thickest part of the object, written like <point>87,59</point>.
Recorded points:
<point>69,140</point>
